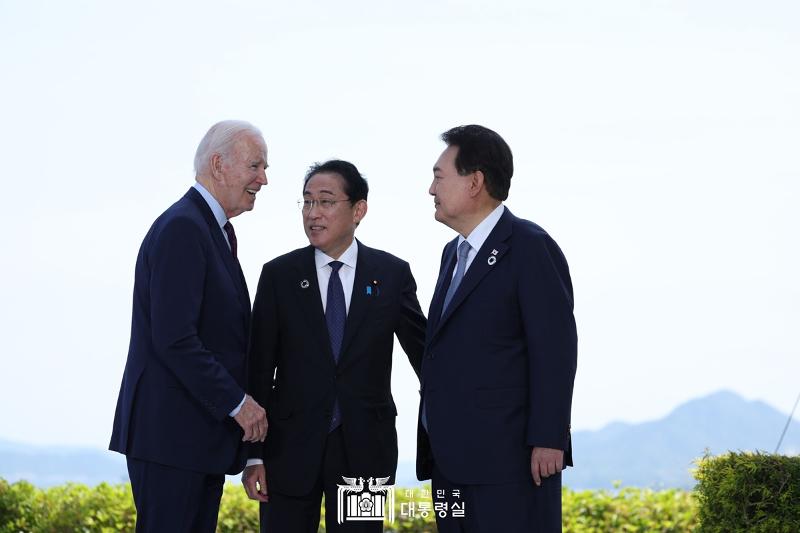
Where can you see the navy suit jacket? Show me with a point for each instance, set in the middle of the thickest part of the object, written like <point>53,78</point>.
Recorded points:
<point>499,365</point>
<point>293,374</point>
<point>187,357</point>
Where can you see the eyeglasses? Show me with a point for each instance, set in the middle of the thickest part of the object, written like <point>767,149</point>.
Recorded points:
<point>324,204</point>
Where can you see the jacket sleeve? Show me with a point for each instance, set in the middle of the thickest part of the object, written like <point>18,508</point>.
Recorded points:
<point>261,354</point>
<point>177,265</point>
<point>411,324</point>
<point>546,305</point>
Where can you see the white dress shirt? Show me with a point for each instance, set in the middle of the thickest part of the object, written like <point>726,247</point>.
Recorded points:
<point>480,234</point>
<point>347,273</point>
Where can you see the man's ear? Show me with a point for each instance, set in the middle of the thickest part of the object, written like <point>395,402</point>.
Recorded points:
<point>215,164</point>
<point>477,183</point>
<point>360,211</point>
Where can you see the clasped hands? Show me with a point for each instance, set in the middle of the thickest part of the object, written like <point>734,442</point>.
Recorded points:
<point>253,419</point>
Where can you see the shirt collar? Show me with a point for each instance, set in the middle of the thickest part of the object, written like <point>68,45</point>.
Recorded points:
<point>482,230</point>
<point>349,257</point>
<point>216,208</point>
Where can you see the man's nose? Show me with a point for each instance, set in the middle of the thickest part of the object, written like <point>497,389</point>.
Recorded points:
<point>314,212</point>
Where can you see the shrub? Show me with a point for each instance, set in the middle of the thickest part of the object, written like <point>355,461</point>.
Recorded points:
<point>109,508</point>
<point>753,492</point>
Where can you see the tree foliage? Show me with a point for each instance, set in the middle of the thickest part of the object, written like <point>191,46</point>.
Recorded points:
<point>753,492</point>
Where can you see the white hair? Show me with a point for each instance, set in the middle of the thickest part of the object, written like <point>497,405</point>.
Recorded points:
<point>219,139</point>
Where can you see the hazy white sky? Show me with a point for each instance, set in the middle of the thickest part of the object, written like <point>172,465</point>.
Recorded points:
<point>656,141</point>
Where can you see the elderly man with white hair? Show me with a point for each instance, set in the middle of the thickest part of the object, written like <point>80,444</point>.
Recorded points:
<point>182,416</point>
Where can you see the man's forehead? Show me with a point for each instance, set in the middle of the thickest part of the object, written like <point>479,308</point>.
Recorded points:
<point>252,141</point>
<point>324,183</point>
<point>446,158</point>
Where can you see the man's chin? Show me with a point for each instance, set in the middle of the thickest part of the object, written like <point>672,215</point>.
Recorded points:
<point>313,240</point>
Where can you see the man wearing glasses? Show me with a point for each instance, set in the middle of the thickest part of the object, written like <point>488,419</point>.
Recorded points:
<point>320,359</point>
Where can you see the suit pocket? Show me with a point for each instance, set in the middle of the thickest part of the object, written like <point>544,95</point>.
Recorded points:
<point>505,397</point>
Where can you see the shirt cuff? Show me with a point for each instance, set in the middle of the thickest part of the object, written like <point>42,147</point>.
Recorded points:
<point>251,462</point>
<point>238,407</point>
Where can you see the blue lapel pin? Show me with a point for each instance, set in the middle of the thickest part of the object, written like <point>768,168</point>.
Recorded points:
<point>373,287</point>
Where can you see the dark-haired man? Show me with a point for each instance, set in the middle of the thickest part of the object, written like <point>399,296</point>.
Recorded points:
<point>324,321</point>
<point>500,353</point>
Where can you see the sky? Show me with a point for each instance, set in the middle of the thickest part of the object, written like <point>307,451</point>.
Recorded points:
<point>656,141</point>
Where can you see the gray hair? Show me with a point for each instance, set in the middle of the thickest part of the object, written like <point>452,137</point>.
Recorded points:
<point>219,139</point>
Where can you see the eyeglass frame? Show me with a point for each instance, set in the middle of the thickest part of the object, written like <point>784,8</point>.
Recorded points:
<point>324,204</point>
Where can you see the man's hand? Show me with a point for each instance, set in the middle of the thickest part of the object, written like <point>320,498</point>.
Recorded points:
<point>253,420</point>
<point>546,462</point>
<point>254,479</point>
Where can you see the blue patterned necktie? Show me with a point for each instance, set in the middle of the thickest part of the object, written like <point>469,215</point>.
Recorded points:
<point>461,267</point>
<point>335,316</point>
<point>335,310</point>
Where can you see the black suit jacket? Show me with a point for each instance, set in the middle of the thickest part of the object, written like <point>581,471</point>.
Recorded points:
<point>293,375</point>
<point>499,365</point>
<point>186,361</point>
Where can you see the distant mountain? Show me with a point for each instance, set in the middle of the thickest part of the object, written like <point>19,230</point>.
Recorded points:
<point>660,453</point>
<point>653,454</point>
<point>45,466</point>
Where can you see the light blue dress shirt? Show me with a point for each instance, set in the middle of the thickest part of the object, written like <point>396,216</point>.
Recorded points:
<point>219,215</point>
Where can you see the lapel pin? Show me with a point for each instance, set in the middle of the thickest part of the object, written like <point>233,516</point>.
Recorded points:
<point>304,284</point>
<point>492,260</point>
<point>494,252</point>
<point>373,288</point>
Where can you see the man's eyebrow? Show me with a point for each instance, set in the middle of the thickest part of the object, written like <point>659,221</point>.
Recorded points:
<point>326,191</point>
<point>436,169</point>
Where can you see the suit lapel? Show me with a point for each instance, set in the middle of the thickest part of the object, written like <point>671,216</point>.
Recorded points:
<point>360,300</point>
<point>495,247</point>
<point>442,284</point>
<point>308,295</point>
<point>230,262</point>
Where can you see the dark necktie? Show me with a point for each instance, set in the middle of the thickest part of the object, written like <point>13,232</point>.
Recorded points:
<point>335,316</point>
<point>461,267</point>
<point>228,227</point>
<point>335,310</point>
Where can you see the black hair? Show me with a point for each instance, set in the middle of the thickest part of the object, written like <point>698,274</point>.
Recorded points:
<point>480,148</point>
<point>355,186</point>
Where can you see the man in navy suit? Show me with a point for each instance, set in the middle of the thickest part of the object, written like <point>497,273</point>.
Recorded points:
<point>182,414</point>
<point>500,353</point>
<point>324,321</point>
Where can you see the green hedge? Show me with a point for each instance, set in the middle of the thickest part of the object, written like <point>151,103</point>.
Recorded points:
<point>753,492</point>
<point>109,508</point>
<point>629,510</point>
